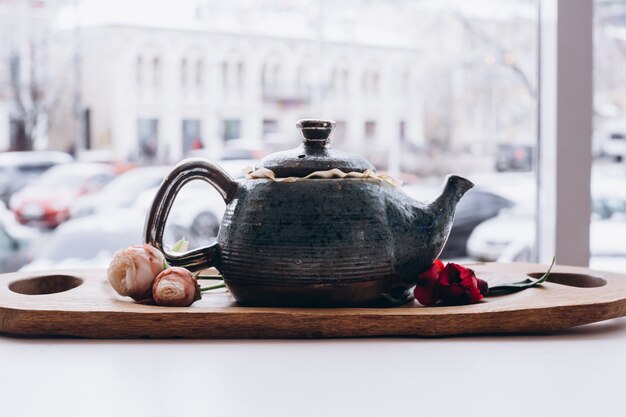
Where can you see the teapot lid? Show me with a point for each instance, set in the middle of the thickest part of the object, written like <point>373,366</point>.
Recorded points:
<point>315,154</point>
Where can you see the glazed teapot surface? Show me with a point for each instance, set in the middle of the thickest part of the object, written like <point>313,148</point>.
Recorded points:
<point>320,241</point>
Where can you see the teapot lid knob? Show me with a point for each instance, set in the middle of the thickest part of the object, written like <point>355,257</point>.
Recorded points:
<point>315,154</point>
<point>315,132</point>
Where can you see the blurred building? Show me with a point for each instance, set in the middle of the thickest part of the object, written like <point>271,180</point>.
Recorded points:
<point>151,79</point>
<point>27,86</point>
<point>155,91</point>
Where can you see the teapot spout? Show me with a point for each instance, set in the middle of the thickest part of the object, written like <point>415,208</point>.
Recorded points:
<point>422,238</point>
<point>455,187</point>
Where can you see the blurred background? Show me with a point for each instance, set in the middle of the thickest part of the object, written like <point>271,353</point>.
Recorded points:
<point>98,99</point>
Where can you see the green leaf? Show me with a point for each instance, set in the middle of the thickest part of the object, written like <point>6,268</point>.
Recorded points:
<point>180,246</point>
<point>398,299</point>
<point>519,286</point>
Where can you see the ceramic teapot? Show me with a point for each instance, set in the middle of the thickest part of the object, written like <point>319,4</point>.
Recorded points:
<point>316,241</point>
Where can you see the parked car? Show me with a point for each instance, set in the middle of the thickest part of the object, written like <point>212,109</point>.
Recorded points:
<point>476,206</point>
<point>16,242</point>
<point>514,157</point>
<point>198,208</point>
<point>91,241</point>
<point>233,149</point>
<point>510,236</point>
<point>19,168</point>
<point>121,192</point>
<point>236,167</point>
<point>614,146</point>
<point>609,139</point>
<point>104,157</point>
<point>607,251</point>
<point>491,239</point>
<point>45,202</point>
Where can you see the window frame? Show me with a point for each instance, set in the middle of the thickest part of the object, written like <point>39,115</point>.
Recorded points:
<point>565,111</point>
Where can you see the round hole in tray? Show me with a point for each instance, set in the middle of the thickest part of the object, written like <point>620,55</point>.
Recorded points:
<point>572,280</point>
<point>48,284</point>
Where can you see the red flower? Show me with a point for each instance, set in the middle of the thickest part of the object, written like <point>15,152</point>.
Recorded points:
<point>452,284</point>
<point>426,289</point>
<point>459,285</point>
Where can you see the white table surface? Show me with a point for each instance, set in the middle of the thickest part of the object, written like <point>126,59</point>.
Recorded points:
<point>578,372</point>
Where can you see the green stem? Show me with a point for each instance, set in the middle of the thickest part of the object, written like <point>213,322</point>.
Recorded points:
<point>212,287</point>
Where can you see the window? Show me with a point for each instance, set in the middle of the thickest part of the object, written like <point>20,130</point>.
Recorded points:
<point>608,185</point>
<point>303,78</point>
<point>148,139</point>
<point>334,79</point>
<point>17,135</point>
<point>231,129</point>
<point>374,82</point>
<point>270,77</point>
<point>156,72</point>
<point>421,88</point>
<point>233,71</point>
<point>370,131</point>
<point>240,75</point>
<point>339,135</point>
<point>345,79</point>
<point>139,71</point>
<point>15,68</point>
<point>340,79</point>
<point>266,75</point>
<point>192,137</point>
<point>199,72</point>
<point>183,73</point>
<point>224,74</point>
<point>370,81</point>
<point>270,127</point>
<point>404,83</point>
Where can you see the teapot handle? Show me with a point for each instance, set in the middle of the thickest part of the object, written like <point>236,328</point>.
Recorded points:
<point>185,171</point>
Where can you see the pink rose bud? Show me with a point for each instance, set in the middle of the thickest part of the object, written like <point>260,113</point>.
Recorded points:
<point>175,287</point>
<point>133,270</point>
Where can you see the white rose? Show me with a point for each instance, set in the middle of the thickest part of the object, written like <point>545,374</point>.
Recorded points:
<point>133,270</point>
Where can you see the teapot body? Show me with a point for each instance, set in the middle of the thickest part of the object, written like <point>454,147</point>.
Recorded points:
<point>322,242</point>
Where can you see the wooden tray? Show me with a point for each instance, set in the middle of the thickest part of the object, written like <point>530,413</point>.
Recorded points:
<point>81,303</point>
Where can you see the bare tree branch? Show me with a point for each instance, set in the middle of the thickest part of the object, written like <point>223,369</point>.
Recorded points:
<point>489,40</point>
<point>37,91</point>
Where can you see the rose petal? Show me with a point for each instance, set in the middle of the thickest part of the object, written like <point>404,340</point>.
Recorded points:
<point>483,286</point>
<point>458,285</point>
<point>175,287</point>
<point>133,270</point>
<point>426,288</point>
<point>426,293</point>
